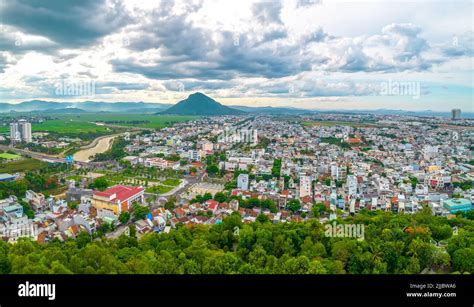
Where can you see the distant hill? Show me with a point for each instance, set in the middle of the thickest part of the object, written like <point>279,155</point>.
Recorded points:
<point>32,105</point>
<point>81,107</point>
<point>200,104</point>
<point>117,107</point>
<point>64,111</point>
<point>195,104</point>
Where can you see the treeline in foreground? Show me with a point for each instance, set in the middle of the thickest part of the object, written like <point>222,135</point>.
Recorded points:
<point>394,244</point>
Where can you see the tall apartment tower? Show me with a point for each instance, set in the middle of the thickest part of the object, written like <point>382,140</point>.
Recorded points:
<point>455,114</point>
<point>243,182</point>
<point>20,131</point>
<point>351,185</point>
<point>15,134</point>
<point>25,129</point>
<point>305,186</point>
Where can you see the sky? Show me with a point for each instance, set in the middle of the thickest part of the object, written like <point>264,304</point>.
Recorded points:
<point>315,54</point>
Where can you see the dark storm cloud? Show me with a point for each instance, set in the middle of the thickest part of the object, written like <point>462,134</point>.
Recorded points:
<point>183,50</point>
<point>16,44</point>
<point>170,70</point>
<point>71,23</point>
<point>174,36</point>
<point>187,51</point>
<point>168,44</point>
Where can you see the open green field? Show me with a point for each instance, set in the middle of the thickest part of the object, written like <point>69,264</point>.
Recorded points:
<point>68,126</point>
<point>65,126</point>
<point>117,178</point>
<point>75,178</point>
<point>116,119</point>
<point>8,156</point>
<point>172,182</point>
<point>127,120</point>
<point>86,123</point>
<point>160,189</point>
<point>22,166</point>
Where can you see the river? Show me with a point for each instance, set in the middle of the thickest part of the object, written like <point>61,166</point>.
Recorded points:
<point>102,145</point>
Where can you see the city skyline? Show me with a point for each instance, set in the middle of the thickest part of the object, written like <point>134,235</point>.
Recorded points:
<point>273,53</point>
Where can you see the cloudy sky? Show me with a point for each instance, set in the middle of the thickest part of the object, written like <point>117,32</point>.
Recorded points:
<point>318,54</point>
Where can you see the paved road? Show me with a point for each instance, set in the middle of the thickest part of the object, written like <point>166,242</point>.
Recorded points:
<point>186,182</point>
<point>35,155</point>
<point>52,158</point>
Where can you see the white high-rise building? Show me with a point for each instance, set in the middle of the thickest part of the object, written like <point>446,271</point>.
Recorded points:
<point>243,182</point>
<point>20,131</point>
<point>25,130</point>
<point>194,155</point>
<point>305,186</point>
<point>352,185</point>
<point>254,137</point>
<point>15,134</point>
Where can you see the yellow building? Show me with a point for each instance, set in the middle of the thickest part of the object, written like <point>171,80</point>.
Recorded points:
<point>118,198</point>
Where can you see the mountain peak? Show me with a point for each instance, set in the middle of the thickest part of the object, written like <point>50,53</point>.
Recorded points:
<point>198,94</point>
<point>200,104</point>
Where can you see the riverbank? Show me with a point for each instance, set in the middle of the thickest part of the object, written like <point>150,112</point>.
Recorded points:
<point>99,145</point>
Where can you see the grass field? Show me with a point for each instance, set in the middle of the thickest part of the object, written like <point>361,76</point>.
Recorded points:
<point>172,182</point>
<point>8,156</point>
<point>22,166</point>
<point>68,126</point>
<point>75,178</point>
<point>85,123</point>
<point>127,120</point>
<point>160,189</point>
<point>65,126</point>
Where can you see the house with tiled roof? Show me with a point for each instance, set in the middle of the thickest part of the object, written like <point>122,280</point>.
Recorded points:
<point>179,212</point>
<point>212,206</point>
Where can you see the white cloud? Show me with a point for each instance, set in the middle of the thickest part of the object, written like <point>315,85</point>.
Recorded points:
<point>326,49</point>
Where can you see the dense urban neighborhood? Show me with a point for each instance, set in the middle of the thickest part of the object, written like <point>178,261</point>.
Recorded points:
<point>305,192</point>
<point>321,150</point>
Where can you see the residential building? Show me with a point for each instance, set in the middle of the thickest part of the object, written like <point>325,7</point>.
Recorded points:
<point>455,114</point>
<point>243,182</point>
<point>305,186</point>
<point>457,204</point>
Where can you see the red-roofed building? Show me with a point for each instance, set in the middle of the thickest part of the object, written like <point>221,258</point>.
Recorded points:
<point>353,140</point>
<point>211,202</point>
<point>306,200</point>
<point>212,205</point>
<point>179,212</point>
<point>236,192</point>
<point>196,164</point>
<point>118,198</point>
